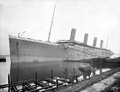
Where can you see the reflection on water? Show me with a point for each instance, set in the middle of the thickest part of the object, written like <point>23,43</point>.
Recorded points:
<point>4,71</point>
<point>98,68</point>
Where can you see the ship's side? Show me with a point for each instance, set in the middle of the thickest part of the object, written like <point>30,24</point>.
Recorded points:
<point>29,57</point>
<point>29,50</point>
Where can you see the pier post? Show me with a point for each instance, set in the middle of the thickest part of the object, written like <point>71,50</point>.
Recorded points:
<point>9,81</point>
<point>93,71</point>
<point>36,79</point>
<point>65,75</point>
<point>36,76</point>
<point>101,66</point>
<point>73,75</point>
<point>57,83</point>
<point>17,73</point>
<point>51,74</point>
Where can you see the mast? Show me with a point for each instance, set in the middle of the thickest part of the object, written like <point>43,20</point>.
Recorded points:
<point>51,23</point>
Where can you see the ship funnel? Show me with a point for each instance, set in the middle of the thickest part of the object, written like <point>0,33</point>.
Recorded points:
<point>85,38</point>
<point>72,37</point>
<point>101,44</point>
<point>95,41</point>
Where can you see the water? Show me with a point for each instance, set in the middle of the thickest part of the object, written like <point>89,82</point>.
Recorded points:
<point>98,67</point>
<point>4,71</point>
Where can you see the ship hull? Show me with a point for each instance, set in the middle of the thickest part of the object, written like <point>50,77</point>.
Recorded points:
<point>29,57</point>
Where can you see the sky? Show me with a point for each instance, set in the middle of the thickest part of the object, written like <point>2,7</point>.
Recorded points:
<point>98,18</point>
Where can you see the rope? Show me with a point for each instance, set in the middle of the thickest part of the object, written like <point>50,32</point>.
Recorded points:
<point>30,25</point>
<point>38,29</point>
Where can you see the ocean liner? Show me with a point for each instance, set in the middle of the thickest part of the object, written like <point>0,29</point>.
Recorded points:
<point>29,56</point>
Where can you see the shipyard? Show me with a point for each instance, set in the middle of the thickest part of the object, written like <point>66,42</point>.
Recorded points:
<point>60,46</point>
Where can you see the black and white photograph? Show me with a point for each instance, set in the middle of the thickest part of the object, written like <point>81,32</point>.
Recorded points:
<point>59,45</point>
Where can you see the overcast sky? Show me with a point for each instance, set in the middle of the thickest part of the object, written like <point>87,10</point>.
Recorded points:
<point>98,18</point>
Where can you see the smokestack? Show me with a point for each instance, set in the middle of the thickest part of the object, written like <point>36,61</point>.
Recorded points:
<point>72,37</point>
<point>85,38</point>
<point>95,41</point>
<point>101,44</point>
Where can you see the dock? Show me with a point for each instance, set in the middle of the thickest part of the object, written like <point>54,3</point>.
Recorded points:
<point>58,84</point>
